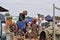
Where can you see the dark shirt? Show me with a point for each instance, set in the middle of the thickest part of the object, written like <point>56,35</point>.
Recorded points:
<point>21,17</point>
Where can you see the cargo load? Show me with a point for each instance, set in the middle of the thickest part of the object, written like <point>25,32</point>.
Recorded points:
<point>21,25</point>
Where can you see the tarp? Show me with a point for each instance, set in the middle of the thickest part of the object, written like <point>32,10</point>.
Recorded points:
<point>48,18</point>
<point>21,25</point>
<point>2,18</point>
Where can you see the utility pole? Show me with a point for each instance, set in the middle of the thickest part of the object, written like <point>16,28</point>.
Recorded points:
<point>54,7</point>
<point>54,21</point>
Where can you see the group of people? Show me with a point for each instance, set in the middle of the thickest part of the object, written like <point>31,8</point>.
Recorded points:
<point>31,29</point>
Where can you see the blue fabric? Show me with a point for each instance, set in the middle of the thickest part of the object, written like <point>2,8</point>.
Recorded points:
<point>29,19</point>
<point>21,24</point>
<point>48,18</point>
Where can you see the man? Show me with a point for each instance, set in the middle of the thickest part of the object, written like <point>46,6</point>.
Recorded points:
<point>22,16</point>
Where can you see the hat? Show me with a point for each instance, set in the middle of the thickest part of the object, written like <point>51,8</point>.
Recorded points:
<point>29,22</point>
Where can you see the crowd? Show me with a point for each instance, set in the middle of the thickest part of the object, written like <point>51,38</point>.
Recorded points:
<point>23,27</point>
<point>31,29</point>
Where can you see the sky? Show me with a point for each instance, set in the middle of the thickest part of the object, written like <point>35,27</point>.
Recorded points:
<point>44,7</point>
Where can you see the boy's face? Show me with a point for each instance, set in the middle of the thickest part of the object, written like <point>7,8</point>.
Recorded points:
<point>28,24</point>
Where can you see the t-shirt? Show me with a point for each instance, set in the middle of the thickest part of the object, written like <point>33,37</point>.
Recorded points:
<point>21,17</point>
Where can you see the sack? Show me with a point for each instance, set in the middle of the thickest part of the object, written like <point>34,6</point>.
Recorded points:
<point>21,25</point>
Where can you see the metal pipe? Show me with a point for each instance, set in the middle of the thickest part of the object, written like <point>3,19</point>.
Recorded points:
<point>54,21</point>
